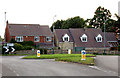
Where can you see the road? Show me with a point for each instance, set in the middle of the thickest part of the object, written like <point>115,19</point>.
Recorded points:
<point>15,66</point>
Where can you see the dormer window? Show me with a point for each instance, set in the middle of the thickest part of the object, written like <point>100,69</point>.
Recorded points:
<point>66,38</point>
<point>84,38</point>
<point>99,38</point>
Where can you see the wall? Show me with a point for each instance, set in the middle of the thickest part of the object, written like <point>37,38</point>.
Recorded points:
<point>31,38</point>
<point>66,45</point>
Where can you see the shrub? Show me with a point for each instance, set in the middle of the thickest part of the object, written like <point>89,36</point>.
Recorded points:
<point>28,43</point>
<point>28,47</point>
<point>18,46</point>
<point>119,48</point>
<point>12,40</point>
<point>43,51</point>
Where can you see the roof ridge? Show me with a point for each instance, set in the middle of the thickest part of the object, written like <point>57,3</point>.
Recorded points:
<point>23,24</point>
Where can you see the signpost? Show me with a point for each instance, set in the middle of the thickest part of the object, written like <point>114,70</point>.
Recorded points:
<point>38,53</point>
<point>69,51</point>
<point>83,55</point>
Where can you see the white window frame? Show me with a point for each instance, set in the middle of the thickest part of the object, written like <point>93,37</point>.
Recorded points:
<point>21,38</point>
<point>37,40</point>
<point>66,36</point>
<point>48,39</point>
<point>83,36</point>
<point>118,35</point>
<point>99,36</point>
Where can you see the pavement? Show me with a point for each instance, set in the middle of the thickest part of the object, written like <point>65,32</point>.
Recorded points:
<point>15,66</point>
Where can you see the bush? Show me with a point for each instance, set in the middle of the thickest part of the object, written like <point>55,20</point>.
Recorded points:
<point>43,51</point>
<point>18,46</point>
<point>28,47</point>
<point>119,48</point>
<point>28,43</point>
<point>12,40</point>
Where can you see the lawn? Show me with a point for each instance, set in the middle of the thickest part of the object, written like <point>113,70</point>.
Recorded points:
<point>75,58</point>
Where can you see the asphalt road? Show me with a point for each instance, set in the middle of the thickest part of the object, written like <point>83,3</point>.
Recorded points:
<point>15,66</point>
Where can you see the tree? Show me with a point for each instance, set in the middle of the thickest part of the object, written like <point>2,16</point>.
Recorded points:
<point>101,14</point>
<point>57,24</point>
<point>75,22</point>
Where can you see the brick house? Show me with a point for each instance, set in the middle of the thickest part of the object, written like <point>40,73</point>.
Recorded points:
<point>40,34</point>
<point>88,38</point>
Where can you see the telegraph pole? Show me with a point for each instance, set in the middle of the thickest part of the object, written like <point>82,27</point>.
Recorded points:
<point>104,34</point>
<point>53,33</point>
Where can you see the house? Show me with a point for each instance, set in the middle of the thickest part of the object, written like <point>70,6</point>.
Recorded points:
<point>40,34</point>
<point>63,39</point>
<point>112,40</point>
<point>88,38</point>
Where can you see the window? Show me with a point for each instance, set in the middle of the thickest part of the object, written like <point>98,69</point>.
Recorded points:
<point>48,38</point>
<point>118,35</point>
<point>99,38</point>
<point>84,38</point>
<point>19,38</point>
<point>36,39</point>
<point>65,38</point>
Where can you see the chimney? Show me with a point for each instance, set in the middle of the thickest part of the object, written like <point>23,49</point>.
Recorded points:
<point>7,23</point>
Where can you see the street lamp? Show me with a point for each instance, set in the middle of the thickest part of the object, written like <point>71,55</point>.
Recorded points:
<point>53,33</point>
<point>104,34</point>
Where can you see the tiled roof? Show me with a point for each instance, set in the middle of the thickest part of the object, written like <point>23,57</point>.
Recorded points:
<point>110,36</point>
<point>76,33</point>
<point>61,32</point>
<point>29,30</point>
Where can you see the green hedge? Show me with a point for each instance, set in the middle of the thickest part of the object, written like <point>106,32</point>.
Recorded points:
<point>18,46</point>
<point>27,43</point>
<point>28,47</point>
<point>119,48</point>
<point>43,51</point>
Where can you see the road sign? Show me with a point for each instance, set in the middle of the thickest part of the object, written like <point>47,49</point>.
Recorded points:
<point>69,51</point>
<point>12,49</point>
<point>5,49</point>
<point>83,55</point>
<point>10,44</point>
<point>38,53</point>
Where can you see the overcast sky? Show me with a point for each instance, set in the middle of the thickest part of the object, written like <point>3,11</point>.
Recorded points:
<point>42,11</point>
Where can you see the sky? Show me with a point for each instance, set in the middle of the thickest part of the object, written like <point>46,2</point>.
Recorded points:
<point>43,11</point>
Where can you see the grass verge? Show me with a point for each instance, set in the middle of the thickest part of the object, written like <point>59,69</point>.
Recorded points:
<point>75,58</point>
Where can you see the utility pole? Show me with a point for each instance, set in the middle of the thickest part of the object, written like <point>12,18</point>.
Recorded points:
<point>53,33</point>
<point>104,34</point>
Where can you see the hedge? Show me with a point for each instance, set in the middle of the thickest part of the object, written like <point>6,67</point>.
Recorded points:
<point>18,46</point>
<point>119,48</point>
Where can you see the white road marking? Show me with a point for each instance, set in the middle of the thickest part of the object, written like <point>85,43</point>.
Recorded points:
<point>95,67</point>
<point>14,71</point>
